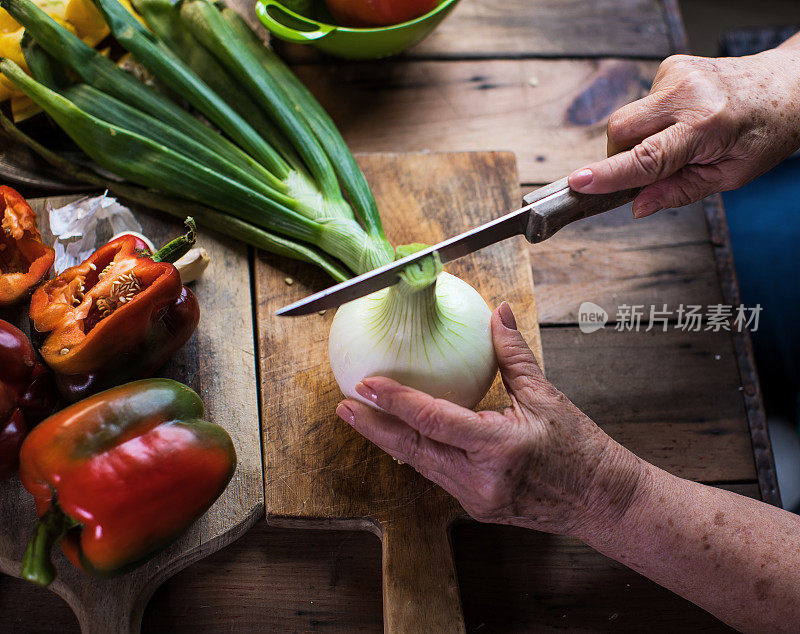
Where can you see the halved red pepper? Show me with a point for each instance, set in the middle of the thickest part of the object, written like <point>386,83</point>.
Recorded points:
<point>116,317</point>
<point>24,260</point>
<point>27,394</point>
<point>120,475</point>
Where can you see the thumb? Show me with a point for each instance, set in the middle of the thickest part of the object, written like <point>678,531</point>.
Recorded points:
<point>518,366</point>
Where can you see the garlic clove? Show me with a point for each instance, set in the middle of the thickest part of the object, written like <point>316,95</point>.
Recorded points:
<point>192,265</point>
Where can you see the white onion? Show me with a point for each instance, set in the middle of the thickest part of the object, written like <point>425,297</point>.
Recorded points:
<point>437,340</point>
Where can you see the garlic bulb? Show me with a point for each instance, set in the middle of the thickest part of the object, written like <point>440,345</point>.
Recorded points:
<point>430,331</point>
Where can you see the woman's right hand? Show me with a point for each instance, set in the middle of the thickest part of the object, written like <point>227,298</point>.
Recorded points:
<point>708,125</point>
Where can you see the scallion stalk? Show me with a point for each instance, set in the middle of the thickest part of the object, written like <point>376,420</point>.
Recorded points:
<point>100,72</point>
<point>107,108</point>
<point>207,25</point>
<point>352,178</point>
<point>163,18</point>
<point>50,73</point>
<point>289,104</point>
<point>148,163</point>
<point>168,68</point>
<point>205,216</point>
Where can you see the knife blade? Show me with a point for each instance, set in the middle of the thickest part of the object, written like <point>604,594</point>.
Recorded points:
<point>547,210</point>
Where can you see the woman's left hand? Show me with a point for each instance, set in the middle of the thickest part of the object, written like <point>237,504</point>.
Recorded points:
<point>541,464</point>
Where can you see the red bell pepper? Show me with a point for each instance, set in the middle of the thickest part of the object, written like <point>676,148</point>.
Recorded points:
<point>24,260</point>
<point>27,394</point>
<point>120,475</point>
<point>116,317</point>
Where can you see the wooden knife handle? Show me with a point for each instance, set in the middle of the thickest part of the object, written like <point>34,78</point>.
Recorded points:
<point>420,588</point>
<point>558,205</point>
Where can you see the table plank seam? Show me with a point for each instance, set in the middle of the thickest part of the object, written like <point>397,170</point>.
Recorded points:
<point>743,347</point>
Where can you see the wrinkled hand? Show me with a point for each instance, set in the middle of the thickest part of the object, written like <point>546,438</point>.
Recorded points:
<point>541,464</point>
<point>708,125</point>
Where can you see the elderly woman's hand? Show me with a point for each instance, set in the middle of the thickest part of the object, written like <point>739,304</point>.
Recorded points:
<point>708,125</point>
<point>541,464</point>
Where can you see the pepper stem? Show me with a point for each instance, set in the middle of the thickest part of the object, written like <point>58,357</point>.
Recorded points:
<point>175,249</point>
<point>36,564</point>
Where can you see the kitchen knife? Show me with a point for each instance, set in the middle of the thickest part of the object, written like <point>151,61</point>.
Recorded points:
<point>548,209</point>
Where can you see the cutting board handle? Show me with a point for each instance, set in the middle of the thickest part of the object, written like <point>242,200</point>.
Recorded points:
<point>420,588</point>
<point>101,612</point>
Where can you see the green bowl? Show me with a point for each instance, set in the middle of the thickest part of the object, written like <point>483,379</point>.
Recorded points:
<point>345,42</point>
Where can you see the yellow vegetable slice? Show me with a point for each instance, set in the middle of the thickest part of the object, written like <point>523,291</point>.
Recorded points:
<point>7,23</point>
<point>87,20</point>
<point>79,16</point>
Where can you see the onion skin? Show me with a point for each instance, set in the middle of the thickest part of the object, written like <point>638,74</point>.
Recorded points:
<point>437,340</point>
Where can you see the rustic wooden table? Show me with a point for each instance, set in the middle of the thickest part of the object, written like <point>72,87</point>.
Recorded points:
<point>539,78</point>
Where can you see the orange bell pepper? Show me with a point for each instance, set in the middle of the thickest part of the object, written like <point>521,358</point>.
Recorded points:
<point>116,317</point>
<point>24,260</point>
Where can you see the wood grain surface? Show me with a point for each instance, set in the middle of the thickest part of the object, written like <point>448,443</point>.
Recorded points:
<point>218,363</point>
<point>542,28</point>
<point>662,259</point>
<point>551,113</point>
<point>511,580</point>
<point>319,472</point>
<point>673,398</point>
<point>275,579</point>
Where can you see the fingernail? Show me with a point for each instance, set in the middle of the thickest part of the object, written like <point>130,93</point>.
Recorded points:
<point>646,209</point>
<point>345,413</point>
<point>365,390</point>
<point>581,179</point>
<point>507,316</point>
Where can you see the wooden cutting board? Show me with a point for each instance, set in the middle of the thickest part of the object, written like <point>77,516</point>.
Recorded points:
<point>319,472</point>
<point>218,362</point>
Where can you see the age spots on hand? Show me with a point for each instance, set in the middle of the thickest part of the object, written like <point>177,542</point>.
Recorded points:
<point>761,588</point>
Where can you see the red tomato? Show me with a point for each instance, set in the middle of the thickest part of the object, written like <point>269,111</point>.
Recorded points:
<point>366,13</point>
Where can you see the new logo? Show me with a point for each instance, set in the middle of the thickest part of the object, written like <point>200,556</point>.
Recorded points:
<point>591,317</point>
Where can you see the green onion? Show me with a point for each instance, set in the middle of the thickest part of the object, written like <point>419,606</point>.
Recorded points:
<point>288,103</point>
<point>103,74</point>
<point>107,108</point>
<point>168,68</point>
<point>210,218</point>
<point>350,174</point>
<point>172,71</point>
<point>207,25</point>
<point>111,110</point>
<point>163,19</point>
<point>146,138</point>
<point>148,163</point>
<point>42,66</point>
